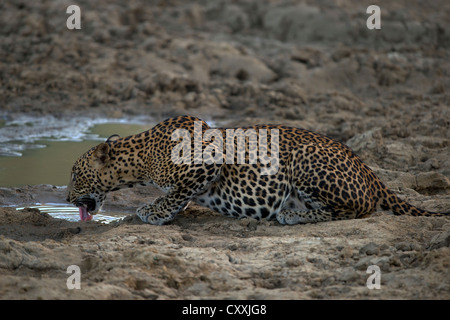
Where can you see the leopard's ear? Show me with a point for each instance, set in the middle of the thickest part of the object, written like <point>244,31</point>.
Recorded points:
<point>100,156</point>
<point>114,137</point>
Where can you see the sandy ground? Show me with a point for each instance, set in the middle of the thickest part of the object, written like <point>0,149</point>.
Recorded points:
<point>311,64</point>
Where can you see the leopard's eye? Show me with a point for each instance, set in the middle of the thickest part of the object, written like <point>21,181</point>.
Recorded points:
<point>74,176</point>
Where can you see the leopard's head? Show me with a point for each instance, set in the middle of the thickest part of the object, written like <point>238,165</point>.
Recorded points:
<point>88,187</point>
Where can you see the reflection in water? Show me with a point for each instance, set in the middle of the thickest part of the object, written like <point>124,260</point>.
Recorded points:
<point>70,212</point>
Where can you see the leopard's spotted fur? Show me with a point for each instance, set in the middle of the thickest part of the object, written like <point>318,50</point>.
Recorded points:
<point>318,179</point>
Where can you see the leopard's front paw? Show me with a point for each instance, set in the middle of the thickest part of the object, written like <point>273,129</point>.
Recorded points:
<point>151,213</point>
<point>146,215</point>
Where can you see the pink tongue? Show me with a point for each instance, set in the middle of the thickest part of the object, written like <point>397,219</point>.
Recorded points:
<point>84,215</point>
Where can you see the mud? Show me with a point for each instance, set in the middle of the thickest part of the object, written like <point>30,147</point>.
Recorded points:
<point>311,64</point>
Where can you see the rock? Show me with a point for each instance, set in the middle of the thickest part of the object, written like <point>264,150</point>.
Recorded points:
<point>432,180</point>
<point>369,141</point>
<point>440,240</point>
<point>406,246</point>
<point>390,73</point>
<point>347,252</point>
<point>244,68</point>
<point>236,18</point>
<point>311,57</point>
<point>400,152</point>
<point>363,263</point>
<point>348,274</point>
<point>194,15</point>
<point>370,249</point>
<point>383,262</point>
<point>396,179</point>
<point>302,23</point>
<point>341,52</point>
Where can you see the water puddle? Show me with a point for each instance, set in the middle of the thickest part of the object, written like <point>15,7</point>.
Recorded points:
<point>71,213</point>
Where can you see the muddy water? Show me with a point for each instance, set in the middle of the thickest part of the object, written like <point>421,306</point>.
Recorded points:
<point>49,161</point>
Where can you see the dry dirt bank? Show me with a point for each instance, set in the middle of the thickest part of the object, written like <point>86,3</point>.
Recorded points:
<point>204,255</point>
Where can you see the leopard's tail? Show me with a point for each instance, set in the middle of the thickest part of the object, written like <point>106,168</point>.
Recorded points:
<point>400,207</point>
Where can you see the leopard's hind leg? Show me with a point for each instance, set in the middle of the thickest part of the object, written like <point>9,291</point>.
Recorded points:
<point>301,207</point>
<point>289,216</point>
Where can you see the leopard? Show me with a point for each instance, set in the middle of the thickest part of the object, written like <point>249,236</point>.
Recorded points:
<point>316,178</point>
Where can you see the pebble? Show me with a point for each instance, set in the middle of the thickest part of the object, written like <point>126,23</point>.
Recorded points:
<point>406,246</point>
<point>370,249</point>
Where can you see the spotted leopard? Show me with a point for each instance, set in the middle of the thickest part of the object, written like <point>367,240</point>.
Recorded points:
<point>317,178</point>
